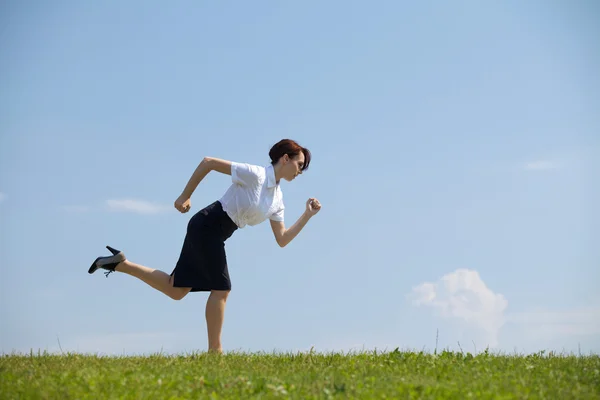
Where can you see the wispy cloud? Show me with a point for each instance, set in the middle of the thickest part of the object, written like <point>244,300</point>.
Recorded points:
<point>2,197</point>
<point>135,206</point>
<point>541,165</point>
<point>120,205</point>
<point>462,296</point>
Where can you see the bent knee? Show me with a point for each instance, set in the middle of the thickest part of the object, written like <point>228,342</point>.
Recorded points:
<point>179,293</point>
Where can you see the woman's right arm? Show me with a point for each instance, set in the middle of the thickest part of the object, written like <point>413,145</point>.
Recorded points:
<point>206,165</point>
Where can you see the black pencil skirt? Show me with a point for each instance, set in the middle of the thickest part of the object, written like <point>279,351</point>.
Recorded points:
<point>202,264</point>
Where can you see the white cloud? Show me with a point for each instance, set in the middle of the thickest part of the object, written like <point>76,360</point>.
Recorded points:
<point>464,297</point>
<point>2,197</point>
<point>540,165</point>
<point>461,296</point>
<point>136,206</point>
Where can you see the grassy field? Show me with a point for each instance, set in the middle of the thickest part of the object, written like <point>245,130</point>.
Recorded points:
<point>373,375</point>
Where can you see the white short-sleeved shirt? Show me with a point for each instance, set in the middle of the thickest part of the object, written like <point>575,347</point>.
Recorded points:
<point>254,196</point>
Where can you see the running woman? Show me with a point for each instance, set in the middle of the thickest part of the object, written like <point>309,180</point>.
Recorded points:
<point>254,196</point>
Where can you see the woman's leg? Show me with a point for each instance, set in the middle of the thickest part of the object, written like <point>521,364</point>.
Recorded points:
<point>215,312</point>
<point>156,278</point>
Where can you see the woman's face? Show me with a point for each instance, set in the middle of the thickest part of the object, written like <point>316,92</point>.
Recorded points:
<point>292,167</point>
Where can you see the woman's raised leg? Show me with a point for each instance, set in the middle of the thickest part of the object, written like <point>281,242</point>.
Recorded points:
<point>158,279</point>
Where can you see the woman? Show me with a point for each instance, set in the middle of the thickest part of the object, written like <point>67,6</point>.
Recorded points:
<point>254,196</point>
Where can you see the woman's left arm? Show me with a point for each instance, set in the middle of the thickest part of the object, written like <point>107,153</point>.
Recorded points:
<point>284,236</point>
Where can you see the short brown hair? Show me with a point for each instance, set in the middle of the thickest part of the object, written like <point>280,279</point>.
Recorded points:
<point>292,149</point>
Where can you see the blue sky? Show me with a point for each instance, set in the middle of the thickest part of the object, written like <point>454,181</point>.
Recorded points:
<point>455,152</point>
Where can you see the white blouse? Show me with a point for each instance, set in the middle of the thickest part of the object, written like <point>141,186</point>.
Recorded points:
<point>254,195</point>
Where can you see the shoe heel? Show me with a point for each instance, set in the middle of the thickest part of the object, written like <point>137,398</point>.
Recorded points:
<point>113,251</point>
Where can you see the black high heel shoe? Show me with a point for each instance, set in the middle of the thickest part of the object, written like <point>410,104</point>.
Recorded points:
<point>108,262</point>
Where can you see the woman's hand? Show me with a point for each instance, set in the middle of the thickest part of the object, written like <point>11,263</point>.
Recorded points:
<point>183,204</point>
<point>312,206</point>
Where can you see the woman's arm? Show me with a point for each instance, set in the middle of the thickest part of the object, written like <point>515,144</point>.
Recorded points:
<point>206,165</point>
<point>284,236</point>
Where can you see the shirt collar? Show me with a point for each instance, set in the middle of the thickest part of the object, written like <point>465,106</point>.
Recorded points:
<point>271,182</point>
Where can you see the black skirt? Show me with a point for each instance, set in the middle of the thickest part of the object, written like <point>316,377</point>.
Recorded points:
<point>202,264</point>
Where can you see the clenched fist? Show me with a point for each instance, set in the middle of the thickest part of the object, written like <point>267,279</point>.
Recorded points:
<point>183,204</point>
<point>312,206</point>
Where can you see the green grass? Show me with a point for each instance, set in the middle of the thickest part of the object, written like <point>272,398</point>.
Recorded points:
<point>373,375</point>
